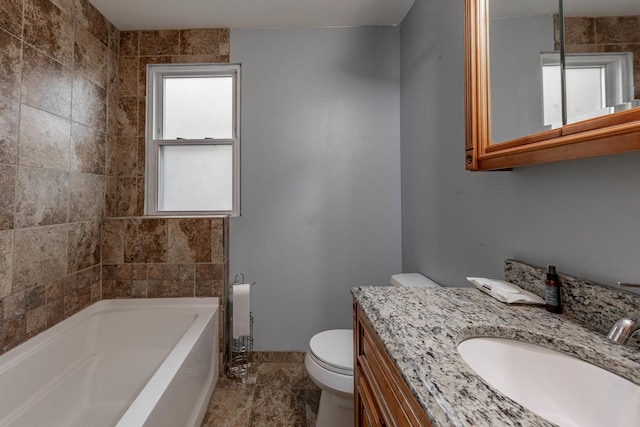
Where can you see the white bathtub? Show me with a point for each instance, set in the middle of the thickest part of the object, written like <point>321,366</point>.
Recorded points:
<point>124,363</point>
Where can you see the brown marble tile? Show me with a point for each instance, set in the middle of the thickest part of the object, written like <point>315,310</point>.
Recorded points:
<point>189,240</point>
<point>113,241</point>
<point>225,42</point>
<point>34,297</point>
<point>111,155</point>
<point>281,407</point>
<point>114,38</point>
<point>128,76</point>
<point>579,30</point>
<point>36,321</point>
<point>46,84</point>
<point>76,301</point>
<point>55,311</point>
<point>618,29</point>
<point>88,150</point>
<point>217,241</point>
<point>583,48</point>
<point>280,376</point>
<point>204,288</point>
<point>278,356</point>
<point>129,43</point>
<point>111,197</point>
<point>139,272</point>
<point>200,41</point>
<point>171,271</point>
<point>9,10</point>
<point>123,160</point>
<point>6,262</point>
<point>54,290</point>
<point>49,29</point>
<point>45,139</point>
<point>112,74</point>
<point>89,105</point>
<point>42,197</point>
<point>155,288</point>
<point>14,332</point>
<point>311,404</point>
<point>141,156</point>
<point>127,116</point>
<point>7,195</point>
<point>145,240</point>
<point>127,197</point>
<point>10,71</point>
<point>9,120</point>
<point>230,405</point>
<point>155,271</point>
<point>308,382</point>
<point>14,306</point>
<point>96,292</point>
<point>39,256</point>
<point>139,211</point>
<point>199,59</point>
<point>179,288</point>
<point>142,118</point>
<point>138,289</point>
<point>91,58</point>
<point>87,16</point>
<point>159,43</point>
<point>112,113</point>
<point>68,7</point>
<point>86,197</point>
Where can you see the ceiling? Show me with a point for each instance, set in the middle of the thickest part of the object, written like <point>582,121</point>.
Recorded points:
<point>181,14</point>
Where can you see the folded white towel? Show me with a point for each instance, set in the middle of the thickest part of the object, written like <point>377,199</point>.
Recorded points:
<point>504,291</point>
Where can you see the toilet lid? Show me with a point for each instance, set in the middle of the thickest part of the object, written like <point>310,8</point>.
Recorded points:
<point>335,349</point>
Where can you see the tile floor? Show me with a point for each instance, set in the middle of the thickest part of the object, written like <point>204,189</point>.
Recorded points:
<point>277,393</point>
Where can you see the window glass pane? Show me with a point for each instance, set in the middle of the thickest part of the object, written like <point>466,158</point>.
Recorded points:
<point>195,178</point>
<point>585,93</point>
<point>198,107</point>
<point>552,96</point>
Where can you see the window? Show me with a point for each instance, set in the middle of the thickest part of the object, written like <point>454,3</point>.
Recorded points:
<point>596,84</point>
<point>193,141</point>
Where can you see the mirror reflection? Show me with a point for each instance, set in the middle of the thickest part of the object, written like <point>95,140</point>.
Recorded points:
<point>602,63</point>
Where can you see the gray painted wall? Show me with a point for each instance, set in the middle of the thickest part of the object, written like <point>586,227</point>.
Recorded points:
<point>320,175</point>
<point>581,215</point>
<point>516,74</point>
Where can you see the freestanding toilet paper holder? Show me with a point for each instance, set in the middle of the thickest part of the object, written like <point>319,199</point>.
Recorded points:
<point>241,348</point>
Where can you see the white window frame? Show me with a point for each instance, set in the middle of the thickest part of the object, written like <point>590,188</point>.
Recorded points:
<point>156,73</point>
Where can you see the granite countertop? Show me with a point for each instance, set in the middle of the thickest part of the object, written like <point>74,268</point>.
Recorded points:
<point>421,328</point>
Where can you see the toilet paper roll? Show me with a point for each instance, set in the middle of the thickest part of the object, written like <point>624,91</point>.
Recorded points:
<point>241,310</point>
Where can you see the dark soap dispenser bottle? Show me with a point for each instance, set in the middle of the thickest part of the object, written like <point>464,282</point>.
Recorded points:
<point>552,291</point>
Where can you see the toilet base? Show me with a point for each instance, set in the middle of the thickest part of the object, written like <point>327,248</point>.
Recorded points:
<point>334,411</point>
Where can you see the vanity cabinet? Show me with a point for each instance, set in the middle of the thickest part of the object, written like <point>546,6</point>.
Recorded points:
<point>382,398</point>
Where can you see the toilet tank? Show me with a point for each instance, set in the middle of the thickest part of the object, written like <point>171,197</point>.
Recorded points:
<point>413,280</point>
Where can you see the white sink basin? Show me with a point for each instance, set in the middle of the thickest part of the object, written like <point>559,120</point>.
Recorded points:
<point>564,390</point>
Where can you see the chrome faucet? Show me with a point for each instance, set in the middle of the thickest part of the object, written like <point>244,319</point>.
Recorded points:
<point>623,329</point>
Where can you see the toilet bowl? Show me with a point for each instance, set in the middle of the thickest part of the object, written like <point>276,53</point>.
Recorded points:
<point>329,363</point>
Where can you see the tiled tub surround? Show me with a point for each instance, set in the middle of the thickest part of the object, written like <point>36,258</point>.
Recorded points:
<point>72,152</point>
<point>421,328</point>
<point>58,69</point>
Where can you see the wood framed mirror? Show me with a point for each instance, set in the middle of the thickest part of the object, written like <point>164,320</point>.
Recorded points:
<point>613,127</point>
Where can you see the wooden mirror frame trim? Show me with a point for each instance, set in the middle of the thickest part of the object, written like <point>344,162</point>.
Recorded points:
<point>612,134</point>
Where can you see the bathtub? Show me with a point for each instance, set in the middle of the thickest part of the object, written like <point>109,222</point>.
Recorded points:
<point>124,363</point>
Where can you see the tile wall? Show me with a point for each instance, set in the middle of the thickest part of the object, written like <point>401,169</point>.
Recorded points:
<point>151,257</point>
<point>605,34</point>
<point>56,72</point>
<point>72,94</point>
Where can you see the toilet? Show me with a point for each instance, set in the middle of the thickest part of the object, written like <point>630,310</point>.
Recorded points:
<point>329,363</point>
